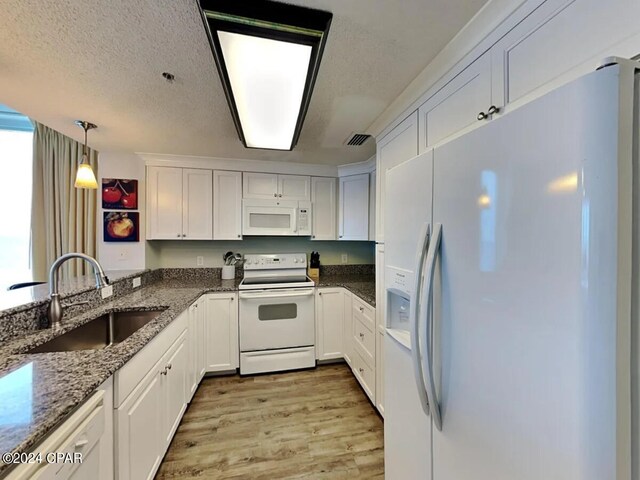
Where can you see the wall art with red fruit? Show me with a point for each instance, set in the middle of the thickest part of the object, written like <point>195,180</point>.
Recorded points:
<point>121,227</point>
<point>119,193</point>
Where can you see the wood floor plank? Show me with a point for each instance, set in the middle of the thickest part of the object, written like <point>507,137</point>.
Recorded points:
<point>311,424</point>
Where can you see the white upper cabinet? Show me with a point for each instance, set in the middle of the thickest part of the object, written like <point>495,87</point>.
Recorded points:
<point>354,207</point>
<point>398,145</point>
<point>294,187</point>
<point>179,204</point>
<point>164,203</point>
<point>463,102</point>
<point>559,41</point>
<point>197,213</point>
<point>372,205</point>
<point>271,185</point>
<point>259,185</point>
<point>324,210</point>
<point>227,205</point>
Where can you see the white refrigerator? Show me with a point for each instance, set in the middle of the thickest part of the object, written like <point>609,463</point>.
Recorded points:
<point>510,294</point>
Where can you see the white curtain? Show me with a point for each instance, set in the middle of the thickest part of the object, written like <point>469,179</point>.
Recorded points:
<point>63,218</point>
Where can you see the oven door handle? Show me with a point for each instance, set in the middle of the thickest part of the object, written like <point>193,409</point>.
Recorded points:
<point>303,293</point>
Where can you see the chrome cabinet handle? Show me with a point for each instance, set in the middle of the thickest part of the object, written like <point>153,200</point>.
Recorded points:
<point>427,300</point>
<point>493,109</point>
<point>178,235</point>
<point>275,195</point>
<point>361,309</point>
<point>81,444</point>
<point>482,116</point>
<point>361,370</point>
<point>184,235</point>
<point>280,195</point>
<point>239,236</point>
<point>164,372</point>
<point>361,335</point>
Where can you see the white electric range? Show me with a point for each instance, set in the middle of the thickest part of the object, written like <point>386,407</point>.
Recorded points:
<point>277,314</point>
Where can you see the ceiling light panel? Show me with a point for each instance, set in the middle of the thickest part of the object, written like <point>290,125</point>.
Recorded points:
<point>268,55</point>
<point>267,81</point>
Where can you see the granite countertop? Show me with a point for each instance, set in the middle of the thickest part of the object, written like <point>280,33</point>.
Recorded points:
<point>39,391</point>
<point>364,286</point>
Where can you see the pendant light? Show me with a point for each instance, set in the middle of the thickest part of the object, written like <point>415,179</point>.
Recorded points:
<point>85,178</point>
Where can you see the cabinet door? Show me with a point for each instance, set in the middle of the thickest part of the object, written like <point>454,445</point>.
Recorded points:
<point>398,145</point>
<point>139,429</point>
<point>227,205</point>
<point>294,187</point>
<point>221,332</point>
<point>560,41</point>
<point>197,204</point>
<point>380,371</point>
<point>259,185</point>
<point>347,336</point>
<point>354,207</point>
<point>193,368</point>
<point>324,211</point>
<point>372,205</point>
<point>173,378</point>
<point>457,105</point>
<point>164,203</point>
<point>329,323</point>
<point>202,339</point>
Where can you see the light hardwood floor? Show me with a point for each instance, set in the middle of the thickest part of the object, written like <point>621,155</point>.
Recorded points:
<point>313,424</point>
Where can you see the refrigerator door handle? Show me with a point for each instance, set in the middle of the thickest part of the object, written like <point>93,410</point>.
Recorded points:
<point>427,300</point>
<point>414,314</point>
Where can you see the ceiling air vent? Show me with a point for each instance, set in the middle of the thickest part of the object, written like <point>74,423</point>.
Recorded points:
<point>357,139</point>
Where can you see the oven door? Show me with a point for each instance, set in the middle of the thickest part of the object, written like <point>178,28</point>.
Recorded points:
<point>277,319</point>
<point>266,217</point>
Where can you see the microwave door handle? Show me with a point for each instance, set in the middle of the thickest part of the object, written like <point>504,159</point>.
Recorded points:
<point>295,220</point>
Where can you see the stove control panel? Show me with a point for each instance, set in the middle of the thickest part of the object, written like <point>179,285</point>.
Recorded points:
<point>275,261</point>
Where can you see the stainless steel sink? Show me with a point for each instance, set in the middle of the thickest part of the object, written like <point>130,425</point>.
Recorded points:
<point>106,330</point>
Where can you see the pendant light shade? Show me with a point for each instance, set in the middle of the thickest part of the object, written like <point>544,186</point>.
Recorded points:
<point>268,56</point>
<point>85,178</point>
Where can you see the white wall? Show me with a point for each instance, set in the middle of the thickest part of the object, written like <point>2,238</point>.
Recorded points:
<point>122,256</point>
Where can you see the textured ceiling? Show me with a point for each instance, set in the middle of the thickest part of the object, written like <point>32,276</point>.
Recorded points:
<point>102,60</point>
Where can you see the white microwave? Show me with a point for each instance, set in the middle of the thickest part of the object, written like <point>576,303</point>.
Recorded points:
<point>276,217</point>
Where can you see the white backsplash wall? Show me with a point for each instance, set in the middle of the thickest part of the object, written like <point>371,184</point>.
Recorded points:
<point>124,255</point>
<point>184,253</point>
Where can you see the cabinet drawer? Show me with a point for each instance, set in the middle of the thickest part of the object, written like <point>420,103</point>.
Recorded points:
<point>81,441</point>
<point>365,341</point>
<point>365,375</point>
<point>365,312</point>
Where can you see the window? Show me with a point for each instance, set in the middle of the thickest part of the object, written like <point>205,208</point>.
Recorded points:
<point>16,145</point>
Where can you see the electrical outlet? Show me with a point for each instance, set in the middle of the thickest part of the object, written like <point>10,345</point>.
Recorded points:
<point>345,258</point>
<point>199,261</point>
<point>135,283</point>
<point>107,291</point>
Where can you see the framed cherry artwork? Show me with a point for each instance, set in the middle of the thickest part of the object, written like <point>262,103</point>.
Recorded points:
<point>119,194</point>
<point>121,227</point>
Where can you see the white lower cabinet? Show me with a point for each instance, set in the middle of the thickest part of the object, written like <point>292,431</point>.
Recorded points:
<point>221,332</point>
<point>380,371</point>
<point>150,399</point>
<point>348,327</point>
<point>329,323</point>
<point>173,375</point>
<point>88,432</point>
